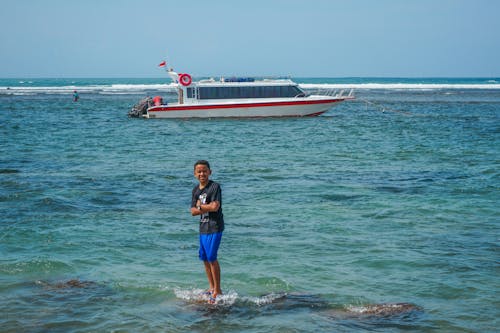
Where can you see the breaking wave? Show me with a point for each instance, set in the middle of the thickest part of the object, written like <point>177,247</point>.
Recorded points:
<point>401,86</point>
<point>33,88</point>
<point>90,89</point>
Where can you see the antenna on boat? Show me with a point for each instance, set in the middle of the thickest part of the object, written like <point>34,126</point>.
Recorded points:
<point>173,75</point>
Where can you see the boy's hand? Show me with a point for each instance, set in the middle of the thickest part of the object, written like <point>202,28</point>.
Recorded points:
<point>195,210</point>
<point>211,207</point>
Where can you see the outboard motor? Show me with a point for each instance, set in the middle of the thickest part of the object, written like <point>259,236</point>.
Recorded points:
<point>141,108</point>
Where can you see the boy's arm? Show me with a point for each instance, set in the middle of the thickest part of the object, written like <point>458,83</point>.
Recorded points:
<point>205,208</point>
<point>196,209</point>
<point>211,207</point>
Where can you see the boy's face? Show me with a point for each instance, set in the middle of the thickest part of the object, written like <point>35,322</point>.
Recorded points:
<point>202,172</point>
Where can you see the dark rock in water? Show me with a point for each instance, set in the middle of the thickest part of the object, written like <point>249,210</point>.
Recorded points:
<point>290,301</point>
<point>383,310</point>
<point>73,283</point>
<point>7,171</point>
<point>287,301</point>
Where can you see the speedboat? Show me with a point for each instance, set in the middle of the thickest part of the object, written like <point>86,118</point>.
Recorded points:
<point>239,97</point>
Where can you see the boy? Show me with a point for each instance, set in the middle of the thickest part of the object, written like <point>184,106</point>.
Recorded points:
<point>206,201</point>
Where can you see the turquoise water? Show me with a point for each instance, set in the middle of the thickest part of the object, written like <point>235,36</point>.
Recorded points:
<point>391,198</point>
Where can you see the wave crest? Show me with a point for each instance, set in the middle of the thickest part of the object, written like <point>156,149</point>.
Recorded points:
<point>117,89</point>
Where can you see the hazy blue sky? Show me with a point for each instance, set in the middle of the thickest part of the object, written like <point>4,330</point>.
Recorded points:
<point>108,38</point>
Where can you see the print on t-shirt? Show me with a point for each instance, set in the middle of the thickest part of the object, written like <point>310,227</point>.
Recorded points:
<point>203,200</point>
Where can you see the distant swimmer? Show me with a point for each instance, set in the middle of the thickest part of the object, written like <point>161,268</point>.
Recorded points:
<point>75,96</point>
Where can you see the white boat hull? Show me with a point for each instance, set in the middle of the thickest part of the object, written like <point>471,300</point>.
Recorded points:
<point>298,107</point>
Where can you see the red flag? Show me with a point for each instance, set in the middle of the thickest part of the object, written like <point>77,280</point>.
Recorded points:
<point>162,64</point>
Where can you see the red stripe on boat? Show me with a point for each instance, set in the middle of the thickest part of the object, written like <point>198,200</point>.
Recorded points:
<point>239,105</point>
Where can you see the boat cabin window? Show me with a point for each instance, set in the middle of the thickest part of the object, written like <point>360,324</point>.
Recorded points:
<point>245,92</point>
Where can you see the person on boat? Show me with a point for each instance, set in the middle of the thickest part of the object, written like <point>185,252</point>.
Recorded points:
<point>75,96</point>
<point>206,201</point>
<point>157,100</point>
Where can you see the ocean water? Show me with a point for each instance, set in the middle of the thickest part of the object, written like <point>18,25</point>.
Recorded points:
<point>380,215</point>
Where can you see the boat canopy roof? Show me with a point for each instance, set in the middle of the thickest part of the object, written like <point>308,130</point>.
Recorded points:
<point>243,83</point>
<point>245,90</point>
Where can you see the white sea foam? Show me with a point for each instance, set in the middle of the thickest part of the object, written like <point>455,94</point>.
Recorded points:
<point>107,89</point>
<point>228,298</point>
<point>263,300</point>
<point>171,87</point>
<point>200,296</point>
<point>382,309</point>
<point>399,86</point>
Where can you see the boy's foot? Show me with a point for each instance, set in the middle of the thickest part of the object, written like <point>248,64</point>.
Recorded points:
<point>213,297</point>
<point>208,292</point>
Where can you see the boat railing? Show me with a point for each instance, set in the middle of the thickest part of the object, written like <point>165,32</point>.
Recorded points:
<point>337,93</point>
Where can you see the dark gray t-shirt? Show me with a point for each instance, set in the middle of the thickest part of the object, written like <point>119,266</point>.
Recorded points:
<point>210,222</point>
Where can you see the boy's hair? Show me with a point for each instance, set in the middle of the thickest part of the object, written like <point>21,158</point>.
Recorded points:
<point>202,162</point>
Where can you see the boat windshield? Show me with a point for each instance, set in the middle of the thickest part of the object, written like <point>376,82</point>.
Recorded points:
<point>246,92</point>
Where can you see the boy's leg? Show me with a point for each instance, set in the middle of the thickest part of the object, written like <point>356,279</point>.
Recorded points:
<point>209,246</point>
<point>215,269</point>
<point>210,276</point>
<point>203,257</point>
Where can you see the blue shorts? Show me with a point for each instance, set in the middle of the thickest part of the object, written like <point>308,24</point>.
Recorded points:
<point>209,245</point>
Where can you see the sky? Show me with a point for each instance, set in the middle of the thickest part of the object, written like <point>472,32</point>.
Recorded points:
<point>300,38</point>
